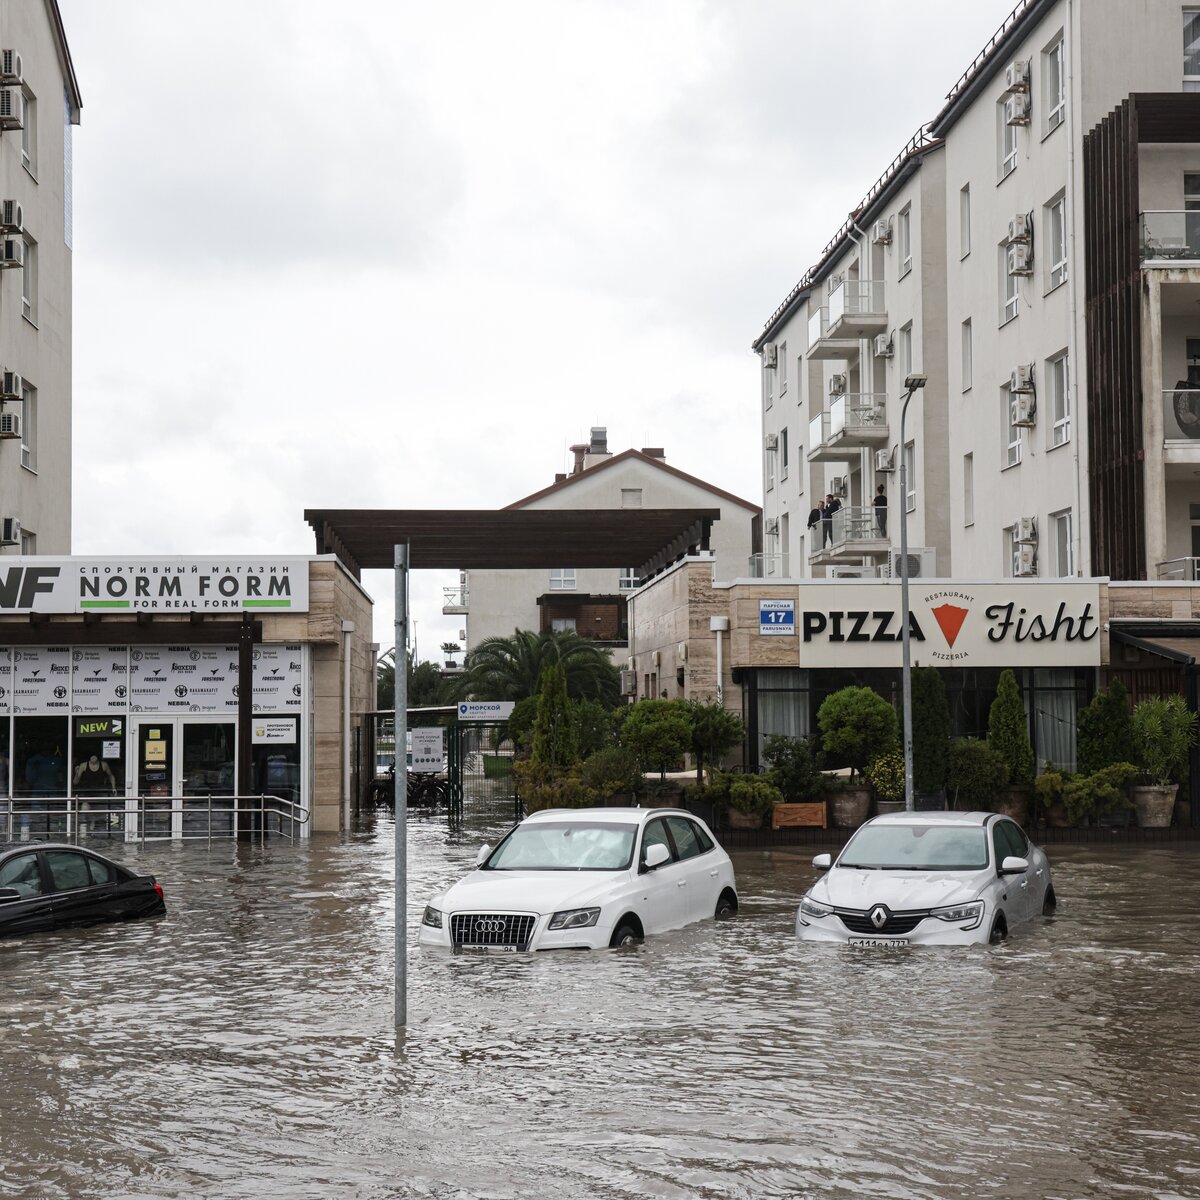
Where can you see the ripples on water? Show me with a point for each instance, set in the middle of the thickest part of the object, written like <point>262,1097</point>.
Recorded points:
<point>243,1045</point>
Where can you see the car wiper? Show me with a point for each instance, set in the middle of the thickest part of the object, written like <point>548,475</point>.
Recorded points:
<point>859,867</point>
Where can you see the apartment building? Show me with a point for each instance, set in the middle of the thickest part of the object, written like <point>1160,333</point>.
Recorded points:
<point>594,602</point>
<point>1031,252</point>
<point>39,104</point>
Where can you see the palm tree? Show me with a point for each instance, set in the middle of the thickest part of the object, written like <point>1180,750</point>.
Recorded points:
<point>508,668</point>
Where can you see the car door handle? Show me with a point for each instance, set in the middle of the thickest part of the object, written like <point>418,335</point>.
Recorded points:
<point>713,874</point>
<point>681,883</point>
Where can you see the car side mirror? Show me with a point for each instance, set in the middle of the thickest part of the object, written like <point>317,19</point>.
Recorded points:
<point>656,856</point>
<point>1012,865</point>
<point>481,857</point>
<point>7,895</point>
<point>823,862</point>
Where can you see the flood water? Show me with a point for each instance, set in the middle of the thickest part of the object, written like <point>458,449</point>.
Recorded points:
<point>242,1046</point>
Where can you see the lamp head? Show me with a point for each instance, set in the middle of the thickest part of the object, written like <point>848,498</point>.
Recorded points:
<point>913,382</point>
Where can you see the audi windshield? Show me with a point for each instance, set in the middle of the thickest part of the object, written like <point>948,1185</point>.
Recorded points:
<point>916,848</point>
<point>564,846</point>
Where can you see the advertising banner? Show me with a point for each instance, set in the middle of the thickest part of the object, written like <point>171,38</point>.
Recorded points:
<point>278,679</point>
<point>100,679</point>
<point>428,748</point>
<point>41,680</point>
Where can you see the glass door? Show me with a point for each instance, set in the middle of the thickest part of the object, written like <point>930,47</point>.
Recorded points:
<point>207,777</point>
<point>155,783</point>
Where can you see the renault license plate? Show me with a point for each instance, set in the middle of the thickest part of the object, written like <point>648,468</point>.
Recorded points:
<point>878,941</point>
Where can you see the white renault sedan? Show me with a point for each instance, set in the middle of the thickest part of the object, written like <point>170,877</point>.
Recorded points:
<point>587,878</point>
<point>925,879</point>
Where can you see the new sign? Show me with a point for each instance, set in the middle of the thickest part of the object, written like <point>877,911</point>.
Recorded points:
<point>1016,623</point>
<point>76,585</point>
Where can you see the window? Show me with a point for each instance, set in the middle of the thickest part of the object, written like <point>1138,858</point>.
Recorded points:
<point>1056,243</point>
<point>1054,86</point>
<point>655,835</point>
<point>782,360</point>
<point>968,489</point>
<point>904,240</point>
<point>562,624</point>
<point>783,454</point>
<point>906,354</point>
<point>769,385</point>
<point>68,870</point>
<point>628,580</point>
<point>1011,434</point>
<point>562,579</point>
<point>1010,302</point>
<point>631,497</point>
<point>910,477</point>
<point>1062,542</point>
<point>967,366</point>
<point>29,134</point>
<point>770,457</point>
<point>22,875</point>
<point>1007,142</point>
<point>29,428</point>
<point>28,542</point>
<point>1191,49</point>
<point>964,221</point>
<point>1057,379</point>
<point>29,280</point>
<point>687,841</point>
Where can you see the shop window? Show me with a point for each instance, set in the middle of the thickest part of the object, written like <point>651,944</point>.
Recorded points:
<point>276,762</point>
<point>98,756</point>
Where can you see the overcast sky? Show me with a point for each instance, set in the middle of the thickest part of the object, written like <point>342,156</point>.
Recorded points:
<point>400,255</point>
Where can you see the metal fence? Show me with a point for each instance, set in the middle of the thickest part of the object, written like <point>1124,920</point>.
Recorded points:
<point>483,768</point>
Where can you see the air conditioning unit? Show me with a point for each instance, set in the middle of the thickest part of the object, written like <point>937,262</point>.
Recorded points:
<point>837,485</point>
<point>881,232</point>
<point>1020,259</point>
<point>10,425</point>
<point>1018,228</point>
<point>628,683</point>
<point>12,217</point>
<point>1016,109</point>
<point>883,345</point>
<point>921,563</point>
<point>1016,77</point>
<point>771,526</point>
<point>771,441</point>
<point>10,67</point>
<point>12,253</point>
<point>11,386</point>
<point>681,653</point>
<point>10,531</point>
<point>462,635</point>
<point>1021,380</point>
<point>883,460</point>
<point>1025,561</point>
<point>837,385</point>
<point>1022,412</point>
<point>770,354</point>
<point>835,281</point>
<point>12,108</point>
<point>851,572</point>
<point>1025,531</point>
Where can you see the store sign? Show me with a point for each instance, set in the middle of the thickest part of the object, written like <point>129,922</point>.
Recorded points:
<point>263,733</point>
<point>777,618</point>
<point>166,585</point>
<point>428,748</point>
<point>101,727</point>
<point>1015,623</point>
<point>485,710</point>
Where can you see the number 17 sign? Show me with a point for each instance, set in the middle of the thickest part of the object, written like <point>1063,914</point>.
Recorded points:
<point>777,617</point>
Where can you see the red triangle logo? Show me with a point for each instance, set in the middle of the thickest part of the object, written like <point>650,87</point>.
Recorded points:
<point>950,620</point>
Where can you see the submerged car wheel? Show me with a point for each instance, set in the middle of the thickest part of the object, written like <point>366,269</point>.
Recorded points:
<point>727,905</point>
<point>1050,903</point>
<point>999,930</point>
<point>625,934</point>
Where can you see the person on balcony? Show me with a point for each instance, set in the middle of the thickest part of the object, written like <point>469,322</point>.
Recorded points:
<point>817,515</point>
<point>880,505</point>
<point>832,504</point>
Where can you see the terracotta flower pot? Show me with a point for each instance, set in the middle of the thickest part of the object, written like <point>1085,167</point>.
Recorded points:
<point>1155,805</point>
<point>849,807</point>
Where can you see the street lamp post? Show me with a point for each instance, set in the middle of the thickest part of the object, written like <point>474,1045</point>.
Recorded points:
<point>912,385</point>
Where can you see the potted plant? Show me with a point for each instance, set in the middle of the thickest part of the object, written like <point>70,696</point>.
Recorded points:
<point>614,774</point>
<point>751,797</point>
<point>930,738</point>
<point>1105,730</point>
<point>1008,735</point>
<point>715,731</point>
<point>796,771</point>
<point>857,726</point>
<point>886,774</point>
<point>1077,799</point>
<point>659,732</point>
<point>975,775</point>
<point>450,649</point>
<point>1164,732</point>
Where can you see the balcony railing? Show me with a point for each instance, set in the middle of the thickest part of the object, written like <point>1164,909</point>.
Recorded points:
<point>763,565</point>
<point>818,325</point>
<point>818,432</point>
<point>1181,414</point>
<point>1170,234</point>
<point>1185,569</point>
<point>859,414</point>
<point>454,597</point>
<point>850,526</point>
<point>854,296</point>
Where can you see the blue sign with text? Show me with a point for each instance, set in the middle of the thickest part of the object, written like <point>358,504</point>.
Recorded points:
<point>777,617</point>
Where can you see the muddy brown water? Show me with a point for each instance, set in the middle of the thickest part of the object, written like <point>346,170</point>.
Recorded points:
<point>243,1045</point>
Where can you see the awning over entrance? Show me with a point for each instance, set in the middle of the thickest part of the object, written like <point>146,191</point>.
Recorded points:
<point>478,539</point>
<point>1178,643</point>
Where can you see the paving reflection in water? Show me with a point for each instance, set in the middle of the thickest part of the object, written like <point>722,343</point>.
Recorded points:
<point>242,1046</point>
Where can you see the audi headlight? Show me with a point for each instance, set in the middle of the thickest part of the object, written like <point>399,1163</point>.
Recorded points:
<point>971,913</point>
<point>813,909</point>
<point>432,917</point>
<point>575,918</point>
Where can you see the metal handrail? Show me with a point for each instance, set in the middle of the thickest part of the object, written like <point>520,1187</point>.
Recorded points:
<point>1180,568</point>
<point>131,812</point>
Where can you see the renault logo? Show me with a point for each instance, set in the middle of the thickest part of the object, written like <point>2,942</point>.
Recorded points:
<point>491,925</point>
<point>879,916</point>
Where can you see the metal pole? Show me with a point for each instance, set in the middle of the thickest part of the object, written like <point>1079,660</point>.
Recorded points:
<point>401,801</point>
<point>906,672</point>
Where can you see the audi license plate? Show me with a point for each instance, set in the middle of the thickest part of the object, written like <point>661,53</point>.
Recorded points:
<point>485,949</point>
<point>878,941</point>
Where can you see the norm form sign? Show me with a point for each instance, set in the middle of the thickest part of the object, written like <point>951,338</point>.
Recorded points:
<point>428,748</point>
<point>777,618</point>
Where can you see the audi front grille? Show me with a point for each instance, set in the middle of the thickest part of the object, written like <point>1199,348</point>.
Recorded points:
<point>491,929</point>
<point>858,921</point>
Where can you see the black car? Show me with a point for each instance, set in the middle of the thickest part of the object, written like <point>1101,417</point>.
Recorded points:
<point>47,886</point>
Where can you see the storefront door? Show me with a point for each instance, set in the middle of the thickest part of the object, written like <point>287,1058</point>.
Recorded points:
<point>184,769</point>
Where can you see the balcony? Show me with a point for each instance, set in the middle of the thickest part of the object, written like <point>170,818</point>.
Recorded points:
<point>821,345</point>
<point>766,566</point>
<point>1185,570</point>
<point>454,601</point>
<point>1181,424</point>
<point>857,310</point>
<point>853,422</point>
<point>1170,236</point>
<point>855,535</point>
